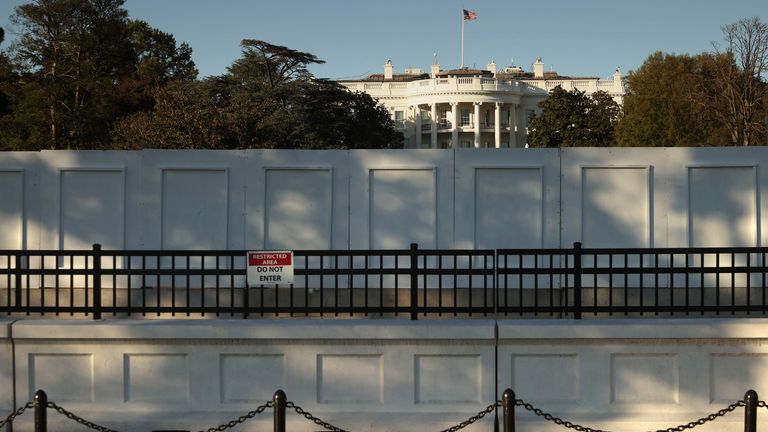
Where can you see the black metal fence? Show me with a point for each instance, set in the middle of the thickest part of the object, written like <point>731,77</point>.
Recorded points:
<point>560,283</point>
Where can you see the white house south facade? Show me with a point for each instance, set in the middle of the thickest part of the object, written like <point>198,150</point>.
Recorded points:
<point>466,108</point>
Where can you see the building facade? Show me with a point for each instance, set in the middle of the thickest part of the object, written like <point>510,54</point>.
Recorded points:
<point>466,108</point>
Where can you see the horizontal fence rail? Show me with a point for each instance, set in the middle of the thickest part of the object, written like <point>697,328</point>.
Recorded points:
<point>412,283</point>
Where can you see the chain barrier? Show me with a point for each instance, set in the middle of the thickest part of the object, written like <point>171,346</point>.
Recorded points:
<point>706,419</point>
<point>329,427</point>
<point>680,428</point>
<point>308,415</point>
<point>15,414</point>
<point>556,420</point>
<point>242,419</point>
<point>78,419</point>
<point>489,409</point>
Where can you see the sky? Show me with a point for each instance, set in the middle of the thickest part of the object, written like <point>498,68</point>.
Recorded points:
<point>356,37</point>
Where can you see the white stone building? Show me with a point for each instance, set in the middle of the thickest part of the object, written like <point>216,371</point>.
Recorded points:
<point>470,107</point>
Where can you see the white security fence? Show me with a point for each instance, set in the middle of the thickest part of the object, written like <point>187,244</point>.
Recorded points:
<point>476,198</point>
<point>383,375</point>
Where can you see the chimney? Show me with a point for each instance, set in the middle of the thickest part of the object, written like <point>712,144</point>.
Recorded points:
<point>538,68</point>
<point>492,67</point>
<point>617,83</point>
<point>388,68</point>
<point>434,70</point>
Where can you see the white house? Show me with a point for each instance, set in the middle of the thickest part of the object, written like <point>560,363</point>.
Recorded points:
<point>470,107</point>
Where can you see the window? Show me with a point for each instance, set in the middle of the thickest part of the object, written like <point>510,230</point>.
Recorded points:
<point>399,119</point>
<point>465,144</point>
<point>464,117</point>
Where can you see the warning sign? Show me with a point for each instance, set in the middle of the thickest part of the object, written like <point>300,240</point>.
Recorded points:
<point>270,268</point>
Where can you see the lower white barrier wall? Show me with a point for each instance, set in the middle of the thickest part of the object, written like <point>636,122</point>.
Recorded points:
<point>192,375</point>
<point>385,375</point>
<point>635,375</point>
<point>6,369</point>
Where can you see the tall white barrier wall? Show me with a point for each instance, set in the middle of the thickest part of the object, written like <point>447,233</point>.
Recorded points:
<point>465,198</point>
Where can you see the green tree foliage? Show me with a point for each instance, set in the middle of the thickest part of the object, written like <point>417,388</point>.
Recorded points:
<point>716,98</point>
<point>268,99</point>
<point>573,119</point>
<point>71,54</point>
<point>659,107</point>
<point>78,66</point>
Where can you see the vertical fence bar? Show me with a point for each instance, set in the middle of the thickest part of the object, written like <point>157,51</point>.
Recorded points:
<point>96,281</point>
<point>41,416</point>
<point>279,399</point>
<point>508,401</point>
<point>577,280</point>
<point>750,411</point>
<point>18,280</point>
<point>414,282</point>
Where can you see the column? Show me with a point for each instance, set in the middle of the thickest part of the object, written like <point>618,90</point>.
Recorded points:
<point>418,127</point>
<point>497,125</point>
<point>433,130</point>
<point>455,124</point>
<point>512,125</point>
<point>477,124</point>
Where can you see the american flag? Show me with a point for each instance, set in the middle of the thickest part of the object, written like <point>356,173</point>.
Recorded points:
<point>469,15</point>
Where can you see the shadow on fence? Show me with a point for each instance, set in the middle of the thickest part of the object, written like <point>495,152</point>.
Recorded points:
<point>280,404</point>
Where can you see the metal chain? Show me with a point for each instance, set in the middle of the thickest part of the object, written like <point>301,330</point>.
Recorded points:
<point>680,428</point>
<point>15,414</point>
<point>78,419</point>
<point>308,415</point>
<point>762,404</point>
<point>706,419</point>
<point>556,420</point>
<point>242,419</point>
<point>489,409</point>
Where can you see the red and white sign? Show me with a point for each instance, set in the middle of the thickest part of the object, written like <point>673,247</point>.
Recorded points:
<point>270,268</point>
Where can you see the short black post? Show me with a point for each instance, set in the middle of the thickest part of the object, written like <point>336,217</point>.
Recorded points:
<point>41,416</point>
<point>750,411</point>
<point>96,281</point>
<point>508,401</point>
<point>279,399</point>
<point>414,282</point>
<point>577,280</point>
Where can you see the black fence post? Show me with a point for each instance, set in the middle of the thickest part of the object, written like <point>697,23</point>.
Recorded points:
<point>96,281</point>
<point>18,280</point>
<point>414,282</point>
<point>577,280</point>
<point>750,411</point>
<point>41,416</point>
<point>279,399</point>
<point>508,401</point>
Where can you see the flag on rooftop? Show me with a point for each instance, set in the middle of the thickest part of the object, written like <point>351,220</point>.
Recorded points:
<point>469,15</point>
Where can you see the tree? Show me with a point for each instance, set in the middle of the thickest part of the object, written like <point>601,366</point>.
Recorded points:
<point>268,99</point>
<point>660,107</point>
<point>71,53</point>
<point>573,119</point>
<point>737,92</point>
<point>81,65</point>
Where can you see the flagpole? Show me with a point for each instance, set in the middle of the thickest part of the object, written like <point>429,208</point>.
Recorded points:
<point>462,38</point>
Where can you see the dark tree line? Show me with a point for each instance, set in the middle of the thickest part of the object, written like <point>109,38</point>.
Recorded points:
<point>83,75</point>
<point>714,98</point>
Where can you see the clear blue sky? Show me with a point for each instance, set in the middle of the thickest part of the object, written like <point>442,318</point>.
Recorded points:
<point>356,37</point>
